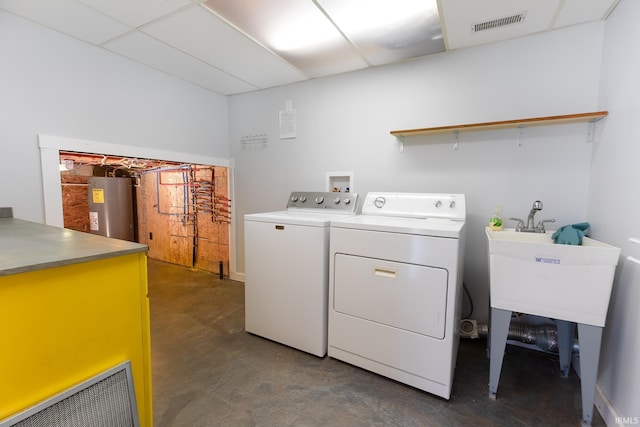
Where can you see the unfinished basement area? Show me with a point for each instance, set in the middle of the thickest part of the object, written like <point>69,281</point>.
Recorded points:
<point>182,212</point>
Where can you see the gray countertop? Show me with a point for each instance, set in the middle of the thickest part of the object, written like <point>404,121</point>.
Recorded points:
<point>28,246</point>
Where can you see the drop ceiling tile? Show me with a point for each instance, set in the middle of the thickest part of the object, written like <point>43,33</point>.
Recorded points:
<point>459,17</point>
<point>579,11</point>
<point>68,17</point>
<point>205,36</point>
<point>147,50</point>
<point>138,12</point>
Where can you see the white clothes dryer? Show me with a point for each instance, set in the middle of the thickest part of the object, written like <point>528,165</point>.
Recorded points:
<point>396,285</point>
<point>287,269</point>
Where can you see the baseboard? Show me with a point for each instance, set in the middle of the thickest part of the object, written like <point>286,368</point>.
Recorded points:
<point>606,410</point>
<point>236,276</point>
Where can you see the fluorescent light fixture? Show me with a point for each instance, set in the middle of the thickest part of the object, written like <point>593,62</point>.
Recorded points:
<point>388,31</point>
<point>302,28</point>
<point>295,30</point>
<point>369,18</point>
<point>324,37</point>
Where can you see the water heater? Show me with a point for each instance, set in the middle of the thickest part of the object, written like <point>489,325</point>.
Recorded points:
<point>111,207</point>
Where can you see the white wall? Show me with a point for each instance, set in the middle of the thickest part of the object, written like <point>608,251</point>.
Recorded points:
<point>53,84</point>
<point>614,211</point>
<point>344,123</point>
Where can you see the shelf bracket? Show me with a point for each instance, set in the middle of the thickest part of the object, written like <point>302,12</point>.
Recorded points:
<point>401,142</point>
<point>456,138</point>
<point>591,131</point>
<point>520,135</point>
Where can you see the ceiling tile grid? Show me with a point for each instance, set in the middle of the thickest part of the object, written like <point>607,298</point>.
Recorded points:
<point>203,35</point>
<point>240,46</point>
<point>136,13</point>
<point>142,48</point>
<point>69,17</point>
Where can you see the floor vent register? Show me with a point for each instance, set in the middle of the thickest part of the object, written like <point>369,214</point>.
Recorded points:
<point>106,400</point>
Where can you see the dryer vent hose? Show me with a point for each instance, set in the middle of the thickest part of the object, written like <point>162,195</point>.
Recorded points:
<point>543,336</point>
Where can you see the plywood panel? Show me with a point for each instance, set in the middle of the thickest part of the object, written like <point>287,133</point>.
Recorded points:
<point>182,216</point>
<point>161,220</point>
<point>75,202</point>
<point>212,219</point>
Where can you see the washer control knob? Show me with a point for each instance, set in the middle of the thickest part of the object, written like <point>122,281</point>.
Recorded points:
<point>438,204</point>
<point>452,204</point>
<point>303,199</point>
<point>319,200</point>
<point>294,198</point>
<point>336,200</point>
<point>379,202</point>
<point>347,201</point>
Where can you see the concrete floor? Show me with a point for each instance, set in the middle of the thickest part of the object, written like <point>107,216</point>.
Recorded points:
<point>207,371</point>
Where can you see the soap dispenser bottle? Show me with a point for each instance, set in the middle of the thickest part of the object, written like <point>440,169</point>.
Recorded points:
<point>495,222</point>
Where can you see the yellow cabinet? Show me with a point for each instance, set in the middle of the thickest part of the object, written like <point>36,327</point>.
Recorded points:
<point>67,320</point>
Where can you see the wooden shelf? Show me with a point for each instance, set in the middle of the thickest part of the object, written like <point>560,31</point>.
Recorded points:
<point>519,123</point>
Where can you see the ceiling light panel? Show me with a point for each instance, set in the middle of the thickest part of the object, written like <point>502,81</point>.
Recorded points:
<point>296,30</point>
<point>388,31</point>
<point>138,12</point>
<point>142,48</point>
<point>69,17</point>
<point>460,16</point>
<point>205,36</point>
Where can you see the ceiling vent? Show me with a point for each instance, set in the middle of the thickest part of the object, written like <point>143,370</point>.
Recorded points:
<point>498,22</point>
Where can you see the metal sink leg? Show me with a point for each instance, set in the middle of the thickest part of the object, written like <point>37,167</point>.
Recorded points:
<point>590,338</point>
<point>499,330</point>
<point>566,330</point>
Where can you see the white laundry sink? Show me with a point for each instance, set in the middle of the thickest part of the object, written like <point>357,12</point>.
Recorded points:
<point>531,274</point>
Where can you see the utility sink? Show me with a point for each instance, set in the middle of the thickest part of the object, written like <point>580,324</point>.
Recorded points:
<point>531,274</point>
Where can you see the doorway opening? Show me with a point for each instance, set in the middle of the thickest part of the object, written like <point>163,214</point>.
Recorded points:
<point>181,211</point>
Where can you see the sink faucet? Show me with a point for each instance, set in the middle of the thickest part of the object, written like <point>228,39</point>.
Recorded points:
<point>529,227</point>
<point>537,206</point>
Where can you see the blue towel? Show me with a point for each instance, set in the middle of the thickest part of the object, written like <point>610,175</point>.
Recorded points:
<point>570,234</point>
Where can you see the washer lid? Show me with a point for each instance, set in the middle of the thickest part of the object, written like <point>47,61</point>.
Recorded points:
<point>315,209</point>
<point>437,227</point>
<point>309,218</point>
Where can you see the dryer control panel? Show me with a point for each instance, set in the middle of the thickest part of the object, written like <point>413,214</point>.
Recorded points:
<point>324,200</point>
<point>416,205</point>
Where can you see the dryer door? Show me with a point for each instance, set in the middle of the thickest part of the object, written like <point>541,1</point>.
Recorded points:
<point>404,296</point>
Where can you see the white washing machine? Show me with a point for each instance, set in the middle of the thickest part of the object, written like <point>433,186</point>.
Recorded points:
<point>287,269</point>
<point>395,287</point>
